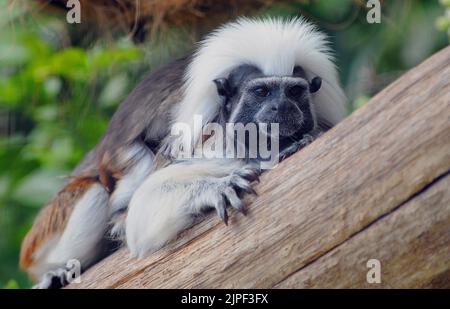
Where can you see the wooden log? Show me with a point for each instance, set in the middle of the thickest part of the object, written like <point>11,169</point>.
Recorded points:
<point>374,187</point>
<point>412,244</point>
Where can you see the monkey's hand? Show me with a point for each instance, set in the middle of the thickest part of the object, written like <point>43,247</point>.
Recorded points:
<point>171,148</point>
<point>228,191</point>
<point>54,279</point>
<point>296,146</point>
<point>168,201</point>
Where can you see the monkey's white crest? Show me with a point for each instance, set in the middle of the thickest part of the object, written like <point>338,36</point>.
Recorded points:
<point>275,46</point>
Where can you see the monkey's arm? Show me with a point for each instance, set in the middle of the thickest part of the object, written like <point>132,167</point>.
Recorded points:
<point>166,203</point>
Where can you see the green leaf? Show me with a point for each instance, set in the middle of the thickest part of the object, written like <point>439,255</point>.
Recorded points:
<point>13,55</point>
<point>71,63</point>
<point>53,86</point>
<point>360,101</point>
<point>107,58</point>
<point>12,284</point>
<point>38,187</point>
<point>114,90</point>
<point>11,92</point>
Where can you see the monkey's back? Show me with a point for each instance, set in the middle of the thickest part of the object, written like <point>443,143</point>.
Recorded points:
<point>143,116</point>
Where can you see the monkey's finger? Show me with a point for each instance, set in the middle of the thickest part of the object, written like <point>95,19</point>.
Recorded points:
<point>221,210</point>
<point>234,200</point>
<point>242,184</point>
<point>54,279</point>
<point>250,173</point>
<point>283,157</point>
<point>249,190</point>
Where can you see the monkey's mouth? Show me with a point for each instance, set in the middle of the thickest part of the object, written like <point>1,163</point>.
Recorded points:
<point>286,131</point>
<point>285,127</point>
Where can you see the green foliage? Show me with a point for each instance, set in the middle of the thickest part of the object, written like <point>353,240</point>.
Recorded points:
<point>55,103</point>
<point>443,22</point>
<point>57,96</point>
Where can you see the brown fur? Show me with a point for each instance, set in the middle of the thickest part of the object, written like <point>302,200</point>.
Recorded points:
<point>53,218</point>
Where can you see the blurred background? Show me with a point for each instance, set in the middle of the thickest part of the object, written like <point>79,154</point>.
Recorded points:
<point>60,83</point>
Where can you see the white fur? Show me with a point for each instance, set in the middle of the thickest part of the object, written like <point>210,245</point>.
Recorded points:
<point>89,221</point>
<point>164,204</point>
<point>141,159</point>
<point>275,46</point>
<point>81,237</point>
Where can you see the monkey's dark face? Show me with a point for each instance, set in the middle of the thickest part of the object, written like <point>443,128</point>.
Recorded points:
<point>282,100</point>
<point>251,97</point>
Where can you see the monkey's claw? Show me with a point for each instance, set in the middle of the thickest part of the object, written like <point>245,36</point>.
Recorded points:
<point>222,211</point>
<point>233,187</point>
<point>249,172</point>
<point>296,146</point>
<point>54,279</point>
<point>171,148</point>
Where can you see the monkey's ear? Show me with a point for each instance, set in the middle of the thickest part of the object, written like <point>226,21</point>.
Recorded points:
<point>315,84</point>
<point>299,72</point>
<point>223,87</point>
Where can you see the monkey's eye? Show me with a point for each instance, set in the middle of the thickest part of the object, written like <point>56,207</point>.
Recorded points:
<point>296,91</point>
<point>262,91</point>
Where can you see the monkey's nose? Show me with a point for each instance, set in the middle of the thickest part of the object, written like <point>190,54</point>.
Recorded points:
<point>294,91</point>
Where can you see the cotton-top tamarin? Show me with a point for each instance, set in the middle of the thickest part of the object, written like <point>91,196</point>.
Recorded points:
<point>248,71</point>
